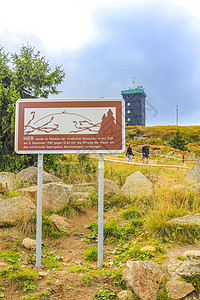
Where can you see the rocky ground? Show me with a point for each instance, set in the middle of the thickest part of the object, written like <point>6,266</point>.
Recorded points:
<point>76,278</point>
<point>68,282</point>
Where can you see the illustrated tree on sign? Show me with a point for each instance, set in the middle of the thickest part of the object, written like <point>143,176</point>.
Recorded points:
<point>108,125</point>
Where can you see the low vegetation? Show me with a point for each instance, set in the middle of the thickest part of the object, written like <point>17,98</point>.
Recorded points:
<point>129,223</point>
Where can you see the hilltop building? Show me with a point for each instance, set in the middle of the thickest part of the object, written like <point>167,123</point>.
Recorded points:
<point>134,106</point>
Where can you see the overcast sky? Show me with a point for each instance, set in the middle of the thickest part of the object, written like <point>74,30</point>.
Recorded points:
<point>103,44</point>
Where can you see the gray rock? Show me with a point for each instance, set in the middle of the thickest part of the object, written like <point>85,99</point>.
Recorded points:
<point>9,182</point>
<point>13,209</point>
<point>126,295</point>
<point>192,219</point>
<point>137,184</point>
<point>148,249</point>
<point>195,187</point>
<point>60,222</point>
<point>29,243</point>
<point>111,187</point>
<point>194,174</point>
<point>172,267</point>
<point>177,289</point>
<point>189,269</point>
<point>143,277</point>
<point>55,196</point>
<point>79,196</point>
<point>29,176</point>
<point>192,254</point>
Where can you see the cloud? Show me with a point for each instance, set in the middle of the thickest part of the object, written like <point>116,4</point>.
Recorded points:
<point>160,50</point>
<point>70,25</point>
<point>102,44</point>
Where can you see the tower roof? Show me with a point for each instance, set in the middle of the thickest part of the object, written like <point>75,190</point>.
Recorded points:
<point>137,90</point>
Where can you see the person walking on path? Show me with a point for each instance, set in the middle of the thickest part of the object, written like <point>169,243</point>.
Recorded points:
<point>145,153</point>
<point>129,153</point>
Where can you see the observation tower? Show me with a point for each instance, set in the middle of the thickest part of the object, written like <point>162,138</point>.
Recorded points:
<point>134,106</point>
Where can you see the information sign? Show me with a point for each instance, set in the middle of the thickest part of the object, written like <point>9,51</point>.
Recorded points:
<point>70,126</point>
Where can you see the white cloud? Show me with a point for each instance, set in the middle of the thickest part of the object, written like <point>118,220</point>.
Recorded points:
<point>59,25</point>
<point>69,25</point>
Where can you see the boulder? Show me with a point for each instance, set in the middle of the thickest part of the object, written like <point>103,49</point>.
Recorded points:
<point>29,176</point>
<point>60,222</point>
<point>177,289</point>
<point>13,209</point>
<point>111,187</point>
<point>189,268</point>
<point>126,295</point>
<point>79,196</point>
<point>143,277</point>
<point>43,274</point>
<point>29,243</point>
<point>185,269</point>
<point>195,187</point>
<point>137,185</point>
<point>192,254</point>
<point>9,182</point>
<point>55,196</point>
<point>171,268</point>
<point>192,219</point>
<point>151,249</point>
<point>194,174</point>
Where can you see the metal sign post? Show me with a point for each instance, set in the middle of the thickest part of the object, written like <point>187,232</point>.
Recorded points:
<point>39,212</point>
<point>100,209</point>
<point>70,126</point>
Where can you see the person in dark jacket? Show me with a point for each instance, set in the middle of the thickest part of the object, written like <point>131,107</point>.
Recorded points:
<point>129,153</point>
<point>145,153</point>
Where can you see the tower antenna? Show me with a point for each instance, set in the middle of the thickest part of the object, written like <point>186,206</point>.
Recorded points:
<point>176,115</point>
<point>133,82</point>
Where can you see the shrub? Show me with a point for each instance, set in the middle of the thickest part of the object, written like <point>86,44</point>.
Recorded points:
<point>91,253</point>
<point>131,213</point>
<point>104,293</point>
<point>178,142</point>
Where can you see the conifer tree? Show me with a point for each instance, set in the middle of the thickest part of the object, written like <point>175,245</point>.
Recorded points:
<point>178,142</point>
<point>23,75</point>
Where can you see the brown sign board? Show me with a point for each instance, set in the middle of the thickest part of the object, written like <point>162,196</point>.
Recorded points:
<point>184,153</point>
<point>70,126</point>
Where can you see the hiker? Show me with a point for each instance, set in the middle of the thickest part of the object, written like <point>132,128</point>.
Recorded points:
<point>129,153</point>
<point>145,153</point>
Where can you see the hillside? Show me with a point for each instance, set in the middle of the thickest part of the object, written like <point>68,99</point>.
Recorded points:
<point>159,136</point>
<point>132,220</point>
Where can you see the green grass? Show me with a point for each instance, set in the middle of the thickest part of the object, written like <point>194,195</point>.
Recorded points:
<point>105,293</point>
<point>39,296</point>
<point>49,229</point>
<point>11,256</point>
<point>49,259</point>
<point>113,232</point>
<point>24,275</point>
<point>91,253</point>
<point>131,213</point>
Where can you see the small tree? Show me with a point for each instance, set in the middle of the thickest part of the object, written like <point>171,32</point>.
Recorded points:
<point>178,142</point>
<point>24,75</point>
<point>32,74</point>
